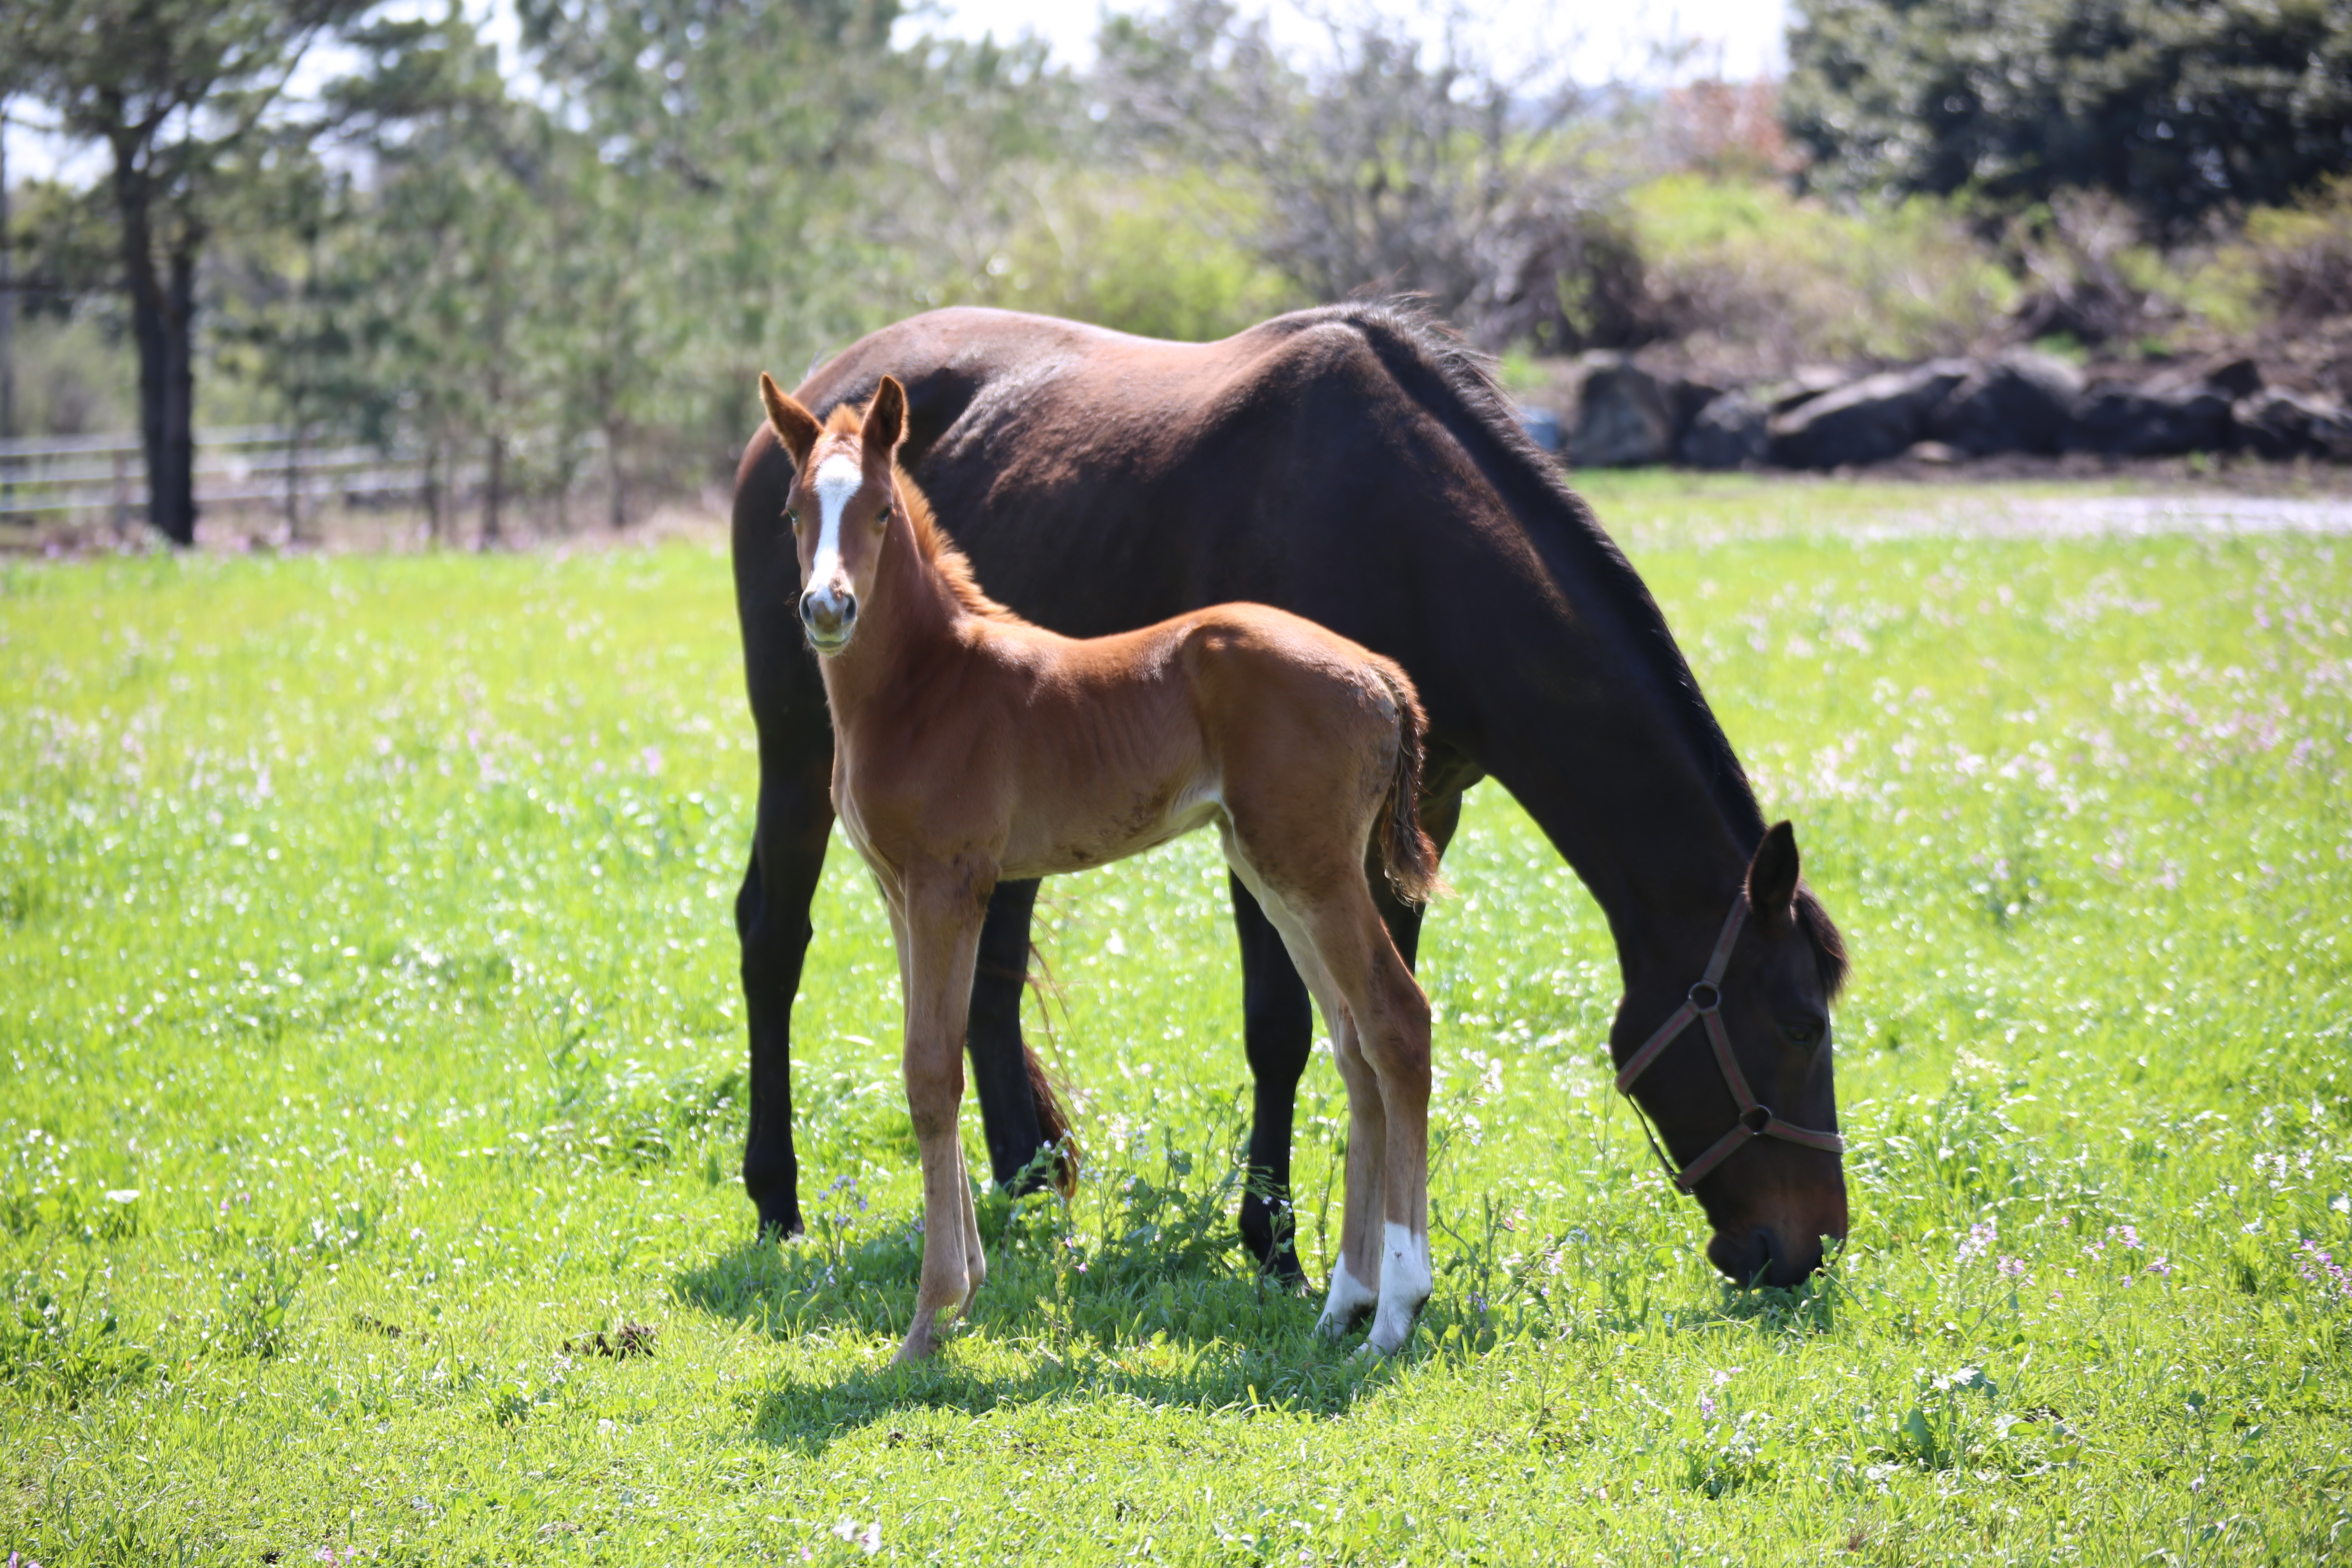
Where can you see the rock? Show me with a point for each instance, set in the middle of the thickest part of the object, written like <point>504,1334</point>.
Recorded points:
<point>2016,402</point>
<point>2238,378</point>
<point>1934,452</point>
<point>1624,417</point>
<point>1730,432</point>
<point>1867,421</point>
<point>2156,420</point>
<point>1542,427</point>
<point>1807,382</point>
<point>2279,425</point>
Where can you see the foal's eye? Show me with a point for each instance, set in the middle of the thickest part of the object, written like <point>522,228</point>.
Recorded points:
<point>793,518</point>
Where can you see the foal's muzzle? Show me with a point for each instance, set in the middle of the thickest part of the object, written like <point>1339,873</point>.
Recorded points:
<point>829,615</point>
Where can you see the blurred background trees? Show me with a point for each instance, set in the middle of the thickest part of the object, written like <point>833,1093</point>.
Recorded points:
<point>550,273</point>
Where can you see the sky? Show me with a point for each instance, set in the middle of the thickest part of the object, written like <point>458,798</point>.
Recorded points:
<point>1738,39</point>
<point>1734,40</point>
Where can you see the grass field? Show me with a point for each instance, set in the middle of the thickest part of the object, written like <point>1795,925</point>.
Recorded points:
<point>373,1100</point>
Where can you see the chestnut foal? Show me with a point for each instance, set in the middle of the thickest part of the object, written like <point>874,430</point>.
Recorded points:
<point>970,745</point>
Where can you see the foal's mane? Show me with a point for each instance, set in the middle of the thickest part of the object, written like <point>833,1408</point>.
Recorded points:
<point>1432,360</point>
<point>932,541</point>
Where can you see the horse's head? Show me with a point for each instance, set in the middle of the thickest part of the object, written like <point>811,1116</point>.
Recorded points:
<point>840,505</point>
<point>1754,1142</point>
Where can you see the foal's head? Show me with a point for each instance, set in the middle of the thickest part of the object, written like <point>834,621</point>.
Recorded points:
<point>841,502</point>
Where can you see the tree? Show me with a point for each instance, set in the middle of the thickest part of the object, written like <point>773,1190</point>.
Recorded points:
<point>2177,106</point>
<point>182,92</point>
<point>1395,165</point>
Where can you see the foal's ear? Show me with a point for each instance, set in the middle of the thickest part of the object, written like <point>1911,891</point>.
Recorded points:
<point>885,419</point>
<point>795,426</point>
<point>1772,880</point>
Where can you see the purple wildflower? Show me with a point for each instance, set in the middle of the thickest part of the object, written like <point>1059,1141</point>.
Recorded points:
<point>2012,1266</point>
<point>1979,1240</point>
<point>2126,1236</point>
<point>1707,1406</point>
<point>2162,1267</point>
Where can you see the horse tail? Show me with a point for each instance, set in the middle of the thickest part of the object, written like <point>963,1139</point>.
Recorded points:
<point>1054,1127</point>
<point>1407,857</point>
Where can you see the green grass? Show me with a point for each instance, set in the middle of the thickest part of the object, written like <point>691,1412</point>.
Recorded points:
<point>373,1046</point>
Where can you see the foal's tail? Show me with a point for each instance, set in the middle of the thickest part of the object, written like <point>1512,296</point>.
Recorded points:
<point>1407,856</point>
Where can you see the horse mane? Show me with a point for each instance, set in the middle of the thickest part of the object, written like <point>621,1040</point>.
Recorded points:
<point>1426,354</point>
<point>932,541</point>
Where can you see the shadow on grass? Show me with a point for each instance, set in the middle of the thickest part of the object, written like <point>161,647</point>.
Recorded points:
<point>1152,1299</point>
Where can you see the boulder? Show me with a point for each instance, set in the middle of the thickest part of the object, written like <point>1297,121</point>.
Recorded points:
<point>2016,402</point>
<point>1625,417</point>
<point>2157,420</point>
<point>2277,424</point>
<point>1867,421</point>
<point>1805,384</point>
<point>1730,432</point>
<point>2238,378</point>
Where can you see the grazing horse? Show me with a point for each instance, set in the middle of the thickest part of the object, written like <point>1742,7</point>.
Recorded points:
<point>970,745</point>
<point>1356,465</point>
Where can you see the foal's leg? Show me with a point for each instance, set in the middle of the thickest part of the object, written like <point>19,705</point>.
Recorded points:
<point>1356,1273</point>
<point>938,924</point>
<point>1391,1018</point>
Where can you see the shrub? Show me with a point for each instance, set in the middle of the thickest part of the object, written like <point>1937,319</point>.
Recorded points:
<point>1761,276</point>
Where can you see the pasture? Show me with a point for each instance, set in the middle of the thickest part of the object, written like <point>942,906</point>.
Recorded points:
<point>372,1064</point>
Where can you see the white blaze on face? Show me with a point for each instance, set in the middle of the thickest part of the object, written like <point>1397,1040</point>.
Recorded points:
<point>838,478</point>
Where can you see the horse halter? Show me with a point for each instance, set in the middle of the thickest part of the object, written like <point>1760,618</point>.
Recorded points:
<point>1705,1004</point>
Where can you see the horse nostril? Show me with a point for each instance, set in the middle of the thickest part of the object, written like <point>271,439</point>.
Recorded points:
<point>848,610</point>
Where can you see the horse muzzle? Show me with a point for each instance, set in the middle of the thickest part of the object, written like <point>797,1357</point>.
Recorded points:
<point>829,615</point>
<point>1762,1255</point>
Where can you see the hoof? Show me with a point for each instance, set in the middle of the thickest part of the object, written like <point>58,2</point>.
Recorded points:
<point>782,1224</point>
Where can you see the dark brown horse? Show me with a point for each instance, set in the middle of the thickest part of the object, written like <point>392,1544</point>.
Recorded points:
<point>1355,466</point>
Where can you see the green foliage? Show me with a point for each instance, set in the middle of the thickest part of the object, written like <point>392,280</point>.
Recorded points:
<point>2292,264</point>
<point>2177,106</point>
<point>369,920</point>
<point>1749,269</point>
<point>1160,258</point>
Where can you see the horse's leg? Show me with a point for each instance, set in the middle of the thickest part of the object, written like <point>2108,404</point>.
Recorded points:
<point>1278,1032</point>
<point>941,911</point>
<point>772,921</point>
<point>999,1070</point>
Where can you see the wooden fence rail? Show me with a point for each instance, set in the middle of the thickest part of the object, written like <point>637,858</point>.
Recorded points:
<point>91,479</point>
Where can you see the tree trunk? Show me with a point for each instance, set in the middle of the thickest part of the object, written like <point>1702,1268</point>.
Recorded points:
<point>493,491</point>
<point>162,320</point>
<point>620,479</point>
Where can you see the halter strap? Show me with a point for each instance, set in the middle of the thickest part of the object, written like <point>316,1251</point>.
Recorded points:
<point>1705,1004</point>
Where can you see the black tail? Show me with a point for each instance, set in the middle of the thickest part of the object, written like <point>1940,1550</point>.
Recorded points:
<point>1407,856</point>
<point>1053,1117</point>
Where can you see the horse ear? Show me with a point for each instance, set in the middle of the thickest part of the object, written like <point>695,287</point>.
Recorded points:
<point>885,419</point>
<point>1772,880</point>
<point>795,426</point>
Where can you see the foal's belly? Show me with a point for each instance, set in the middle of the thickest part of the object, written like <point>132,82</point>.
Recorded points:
<point>1045,842</point>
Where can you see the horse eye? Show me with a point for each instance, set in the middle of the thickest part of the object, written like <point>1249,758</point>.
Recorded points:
<point>1802,1034</point>
<point>793,518</point>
